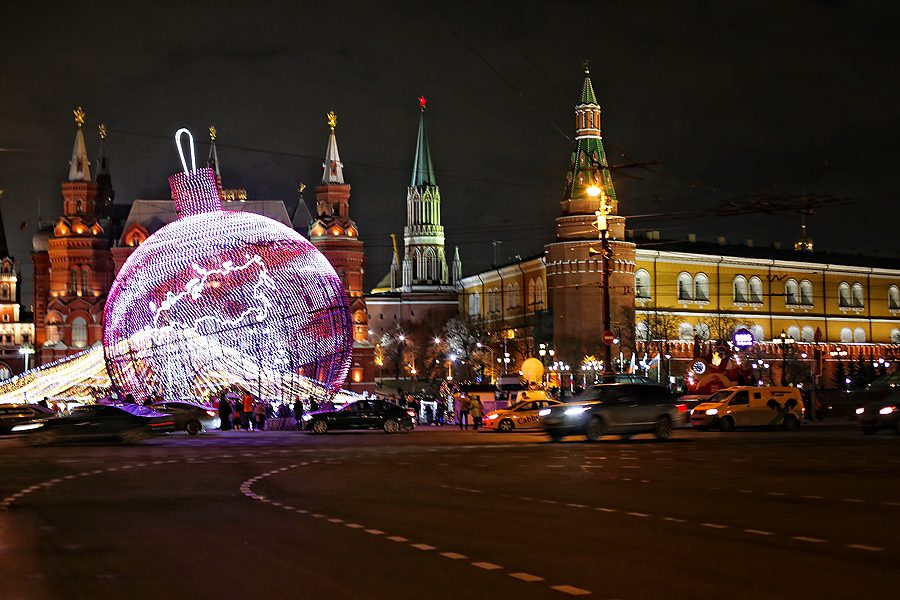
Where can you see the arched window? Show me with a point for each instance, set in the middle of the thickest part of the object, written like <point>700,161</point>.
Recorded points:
<point>684,286</point>
<point>79,208</point>
<point>846,335</point>
<point>641,284</point>
<point>529,294</point>
<point>74,280</point>
<point>895,336</point>
<point>702,331</point>
<point>509,296</point>
<point>79,332</point>
<point>430,265</point>
<point>517,295</point>
<point>858,300</point>
<point>701,288</point>
<point>806,293</point>
<point>859,335</point>
<point>758,332</point>
<point>686,332</point>
<point>756,290</point>
<point>84,281</point>
<point>4,291</point>
<point>844,295</point>
<point>642,331</point>
<point>474,304</point>
<point>538,294</point>
<point>793,332</point>
<point>894,297</point>
<point>791,292</point>
<point>807,334</point>
<point>495,300</point>
<point>740,288</point>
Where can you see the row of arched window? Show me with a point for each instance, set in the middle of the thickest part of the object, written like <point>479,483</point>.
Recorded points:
<point>76,277</point>
<point>425,266</point>
<point>687,332</point>
<point>535,298</point>
<point>79,332</point>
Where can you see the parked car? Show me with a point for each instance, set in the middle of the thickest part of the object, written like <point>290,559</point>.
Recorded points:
<point>750,406</point>
<point>523,415</point>
<point>880,415</point>
<point>189,416</point>
<point>621,408</point>
<point>362,414</point>
<point>13,414</point>
<point>125,422</point>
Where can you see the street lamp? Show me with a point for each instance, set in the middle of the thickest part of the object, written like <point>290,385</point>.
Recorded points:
<point>784,340</point>
<point>489,349</point>
<point>593,191</point>
<point>26,352</point>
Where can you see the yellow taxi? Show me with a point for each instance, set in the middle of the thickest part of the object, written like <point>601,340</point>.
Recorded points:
<point>521,415</point>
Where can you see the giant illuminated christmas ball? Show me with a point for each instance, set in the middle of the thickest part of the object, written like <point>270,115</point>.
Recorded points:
<point>220,300</point>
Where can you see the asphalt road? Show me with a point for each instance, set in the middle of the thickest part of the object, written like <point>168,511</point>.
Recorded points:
<point>450,514</point>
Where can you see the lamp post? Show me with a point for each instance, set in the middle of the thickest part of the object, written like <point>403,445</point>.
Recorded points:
<point>784,340</point>
<point>26,352</point>
<point>593,191</point>
<point>489,349</point>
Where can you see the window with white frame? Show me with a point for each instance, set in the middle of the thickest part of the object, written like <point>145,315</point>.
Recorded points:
<point>846,335</point>
<point>702,331</point>
<point>758,332</point>
<point>79,332</point>
<point>895,336</point>
<point>807,334</point>
<point>474,304</point>
<point>509,296</point>
<point>517,295</point>
<point>641,284</point>
<point>755,290</point>
<point>806,293</point>
<point>686,332</point>
<point>857,291</point>
<point>740,288</point>
<point>793,332</point>
<point>859,335</point>
<point>844,295</point>
<point>642,331</point>
<point>684,286</point>
<point>791,290</point>
<point>894,297</point>
<point>701,287</point>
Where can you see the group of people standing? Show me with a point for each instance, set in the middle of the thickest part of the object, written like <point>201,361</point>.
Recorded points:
<point>245,413</point>
<point>470,406</point>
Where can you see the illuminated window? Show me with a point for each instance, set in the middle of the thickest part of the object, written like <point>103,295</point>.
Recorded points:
<point>793,332</point>
<point>806,293</point>
<point>807,334</point>
<point>740,288</point>
<point>684,286</point>
<point>84,281</point>
<point>701,288</point>
<point>475,304</point>
<point>538,294</point>
<point>755,290</point>
<point>858,301</point>
<point>895,336</point>
<point>844,294</point>
<point>758,332</point>
<point>894,297</point>
<point>686,332</point>
<point>79,332</point>
<point>859,335</point>
<point>642,331</point>
<point>641,284</point>
<point>74,281</point>
<point>846,335</point>
<point>702,331</point>
<point>790,292</point>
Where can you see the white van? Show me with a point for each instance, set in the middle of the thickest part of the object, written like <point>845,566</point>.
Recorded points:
<point>750,407</point>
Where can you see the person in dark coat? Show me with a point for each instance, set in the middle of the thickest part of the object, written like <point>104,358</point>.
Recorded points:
<point>298,411</point>
<point>441,409</point>
<point>224,413</point>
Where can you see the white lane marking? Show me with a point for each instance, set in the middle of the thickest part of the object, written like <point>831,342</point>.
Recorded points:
<point>609,510</point>
<point>674,520</point>
<point>637,514</point>
<point>577,505</point>
<point>374,531</point>
<point>353,525</point>
<point>423,547</point>
<point>714,525</point>
<point>526,576</point>
<point>758,532</point>
<point>335,520</point>
<point>801,538</point>
<point>397,538</point>
<point>486,565</point>
<point>572,591</point>
<point>453,555</point>
<point>862,547</point>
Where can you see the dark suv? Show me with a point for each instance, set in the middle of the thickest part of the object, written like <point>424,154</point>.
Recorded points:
<point>621,408</point>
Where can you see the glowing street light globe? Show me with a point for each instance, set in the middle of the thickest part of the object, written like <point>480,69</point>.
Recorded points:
<point>221,299</point>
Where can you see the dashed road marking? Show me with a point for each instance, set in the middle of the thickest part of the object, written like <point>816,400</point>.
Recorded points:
<point>526,577</point>
<point>862,547</point>
<point>714,525</point>
<point>758,532</point>
<point>486,566</point>
<point>801,538</point>
<point>397,538</point>
<point>453,555</point>
<point>572,591</point>
<point>637,514</point>
<point>423,547</point>
<point>374,531</point>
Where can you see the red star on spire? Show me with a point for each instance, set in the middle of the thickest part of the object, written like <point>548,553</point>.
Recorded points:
<point>422,101</point>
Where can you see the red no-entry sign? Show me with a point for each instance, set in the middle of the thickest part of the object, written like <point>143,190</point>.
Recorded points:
<point>608,338</point>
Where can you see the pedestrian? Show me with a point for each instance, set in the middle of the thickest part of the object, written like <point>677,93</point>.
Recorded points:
<point>260,415</point>
<point>247,411</point>
<point>415,406</point>
<point>313,405</point>
<point>439,414</point>
<point>43,402</point>
<point>464,404</point>
<point>298,411</point>
<point>476,409</point>
<point>224,412</point>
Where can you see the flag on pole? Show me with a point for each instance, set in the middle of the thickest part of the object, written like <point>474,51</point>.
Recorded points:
<point>632,365</point>
<point>654,362</point>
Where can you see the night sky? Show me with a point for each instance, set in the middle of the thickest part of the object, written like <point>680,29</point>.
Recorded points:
<point>739,105</point>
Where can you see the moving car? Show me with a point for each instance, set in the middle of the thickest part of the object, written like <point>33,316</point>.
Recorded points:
<point>744,406</point>
<point>13,414</point>
<point>880,415</point>
<point>621,408</point>
<point>362,414</point>
<point>125,422</point>
<point>189,416</point>
<point>523,415</point>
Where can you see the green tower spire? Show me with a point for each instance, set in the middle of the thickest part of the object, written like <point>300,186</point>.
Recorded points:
<point>423,171</point>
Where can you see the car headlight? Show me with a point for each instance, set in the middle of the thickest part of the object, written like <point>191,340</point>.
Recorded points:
<point>860,410</point>
<point>712,411</point>
<point>306,417</point>
<point>576,410</point>
<point>543,412</point>
<point>27,426</point>
<point>492,416</point>
<point>887,410</point>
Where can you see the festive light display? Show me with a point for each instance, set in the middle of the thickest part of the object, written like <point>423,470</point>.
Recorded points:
<point>220,299</point>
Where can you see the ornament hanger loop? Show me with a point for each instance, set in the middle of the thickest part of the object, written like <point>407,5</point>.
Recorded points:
<point>181,150</point>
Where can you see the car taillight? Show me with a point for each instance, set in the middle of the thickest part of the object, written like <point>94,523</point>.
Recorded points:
<point>681,407</point>
<point>211,413</point>
<point>411,413</point>
<point>164,424</point>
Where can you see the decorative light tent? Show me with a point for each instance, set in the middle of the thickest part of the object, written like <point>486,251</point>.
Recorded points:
<point>221,299</point>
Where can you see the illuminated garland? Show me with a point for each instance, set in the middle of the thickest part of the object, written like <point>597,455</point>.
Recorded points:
<point>220,298</point>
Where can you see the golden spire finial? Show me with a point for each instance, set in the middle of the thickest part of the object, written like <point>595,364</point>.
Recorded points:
<point>212,133</point>
<point>332,120</point>
<point>302,187</point>
<point>102,131</point>
<point>79,116</point>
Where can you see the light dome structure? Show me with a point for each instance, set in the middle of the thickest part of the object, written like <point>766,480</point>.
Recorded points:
<point>220,299</point>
